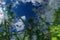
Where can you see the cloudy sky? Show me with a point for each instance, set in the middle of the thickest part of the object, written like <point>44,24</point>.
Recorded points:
<point>25,8</point>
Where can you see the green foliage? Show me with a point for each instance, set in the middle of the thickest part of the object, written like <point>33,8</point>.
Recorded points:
<point>54,38</point>
<point>55,32</point>
<point>56,17</point>
<point>55,28</point>
<point>34,28</point>
<point>6,34</point>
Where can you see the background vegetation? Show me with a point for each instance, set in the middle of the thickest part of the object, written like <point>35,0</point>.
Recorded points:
<point>33,27</point>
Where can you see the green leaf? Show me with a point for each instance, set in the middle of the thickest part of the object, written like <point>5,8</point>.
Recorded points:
<point>54,38</point>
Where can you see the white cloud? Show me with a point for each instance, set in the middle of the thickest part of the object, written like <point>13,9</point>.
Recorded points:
<point>2,2</point>
<point>1,10</point>
<point>28,0</point>
<point>24,1</point>
<point>15,3</point>
<point>23,17</point>
<point>33,1</point>
<point>1,15</point>
<point>19,25</point>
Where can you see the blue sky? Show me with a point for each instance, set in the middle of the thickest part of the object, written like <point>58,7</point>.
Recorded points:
<point>24,8</point>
